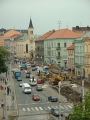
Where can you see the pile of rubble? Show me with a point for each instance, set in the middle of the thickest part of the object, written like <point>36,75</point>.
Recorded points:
<point>70,94</point>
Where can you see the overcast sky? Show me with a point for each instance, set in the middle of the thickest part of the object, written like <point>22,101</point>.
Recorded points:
<point>45,14</point>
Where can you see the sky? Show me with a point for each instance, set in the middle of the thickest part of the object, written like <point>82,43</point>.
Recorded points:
<point>45,14</point>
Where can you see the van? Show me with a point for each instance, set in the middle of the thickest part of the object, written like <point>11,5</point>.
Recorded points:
<point>26,88</point>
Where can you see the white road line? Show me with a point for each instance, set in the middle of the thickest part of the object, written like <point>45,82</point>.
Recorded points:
<point>32,109</point>
<point>69,106</point>
<point>24,109</point>
<point>62,107</point>
<point>45,108</point>
<point>28,109</point>
<point>40,108</point>
<point>66,107</point>
<point>37,108</point>
<point>49,108</point>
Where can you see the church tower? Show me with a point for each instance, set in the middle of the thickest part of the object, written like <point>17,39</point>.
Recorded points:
<point>30,30</point>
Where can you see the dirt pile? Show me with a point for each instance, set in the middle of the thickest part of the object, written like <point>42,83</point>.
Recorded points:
<point>70,94</point>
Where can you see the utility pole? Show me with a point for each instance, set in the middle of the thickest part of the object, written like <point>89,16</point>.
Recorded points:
<point>83,95</point>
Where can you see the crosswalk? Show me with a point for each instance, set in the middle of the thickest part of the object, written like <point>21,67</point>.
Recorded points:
<point>45,108</point>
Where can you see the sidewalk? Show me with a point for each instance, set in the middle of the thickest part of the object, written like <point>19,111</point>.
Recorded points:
<point>2,97</point>
<point>9,100</point>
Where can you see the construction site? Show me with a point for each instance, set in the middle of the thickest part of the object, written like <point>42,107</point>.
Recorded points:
<point>55,76</point>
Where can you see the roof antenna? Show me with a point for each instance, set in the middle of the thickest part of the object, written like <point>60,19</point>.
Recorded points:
<point>59,24</point>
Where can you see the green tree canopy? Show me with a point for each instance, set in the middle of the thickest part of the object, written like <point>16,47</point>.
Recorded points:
<point>3,58</point>
<point>82,111</point>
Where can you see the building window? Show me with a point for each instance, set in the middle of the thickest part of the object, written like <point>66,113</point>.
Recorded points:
<point>58,45</point>
<point>26,48</point>
<point>65,45</point>
<point>58,54</point>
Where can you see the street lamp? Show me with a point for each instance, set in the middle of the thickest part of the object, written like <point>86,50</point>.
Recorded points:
<point>59,85</point>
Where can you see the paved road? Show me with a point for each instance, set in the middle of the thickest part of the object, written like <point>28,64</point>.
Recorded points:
<point>31,109</point>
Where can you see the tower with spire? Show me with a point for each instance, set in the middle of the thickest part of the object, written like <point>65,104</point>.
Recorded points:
<point>30,30</point>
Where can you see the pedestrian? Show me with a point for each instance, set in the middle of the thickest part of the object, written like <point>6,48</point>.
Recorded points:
<point>9,90</point>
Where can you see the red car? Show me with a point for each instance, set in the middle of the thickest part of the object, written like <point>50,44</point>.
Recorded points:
<point>39,81</point>
<point>36,97</point>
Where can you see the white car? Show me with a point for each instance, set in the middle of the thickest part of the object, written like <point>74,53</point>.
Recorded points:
<point>26,88</point>
<point>33,81</point>
<point>20,85</point>
<point>28,65</point>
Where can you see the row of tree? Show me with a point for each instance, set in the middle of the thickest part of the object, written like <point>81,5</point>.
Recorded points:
<point>4,55</point>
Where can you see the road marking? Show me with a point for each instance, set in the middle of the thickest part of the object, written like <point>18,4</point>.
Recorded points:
<point>45,108</point>
<point>24,109</point>
<point>32,108</point>
<point>40,108</point>
<point>28,109</point>
<point>62,107</point>
<point>37,108</point>
<point>49,108</point>
<point>69,106</point>
<point>65,107</point>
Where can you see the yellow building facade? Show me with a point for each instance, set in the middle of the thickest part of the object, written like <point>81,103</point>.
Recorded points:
<point>25,45</point>
<point>87,57</point>
<point>24,48</point>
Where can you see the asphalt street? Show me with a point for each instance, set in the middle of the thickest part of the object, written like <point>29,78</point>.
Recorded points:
<point>29,109</point>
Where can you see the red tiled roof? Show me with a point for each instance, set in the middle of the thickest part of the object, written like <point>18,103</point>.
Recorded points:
<point>12,34</point>
<point>64,33</point>
<point>46,35</point>
<point>71,47</point>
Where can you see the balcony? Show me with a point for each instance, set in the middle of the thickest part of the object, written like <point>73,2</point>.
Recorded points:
<point>58,48</point>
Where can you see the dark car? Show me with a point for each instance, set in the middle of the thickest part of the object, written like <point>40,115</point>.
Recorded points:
<point>55,112</point>
<point>52,99</point>
<point>28,75</point>
<point>33,65</point>
<point>34,68</point>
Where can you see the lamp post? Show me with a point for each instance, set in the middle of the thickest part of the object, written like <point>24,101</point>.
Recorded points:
<point>59,85</point>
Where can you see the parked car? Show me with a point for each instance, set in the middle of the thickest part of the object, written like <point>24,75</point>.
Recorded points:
<point>36,97</point>
<point>52,99</point>
<point>28,65</point>
<point>55,112</point>
<point>33,65</point>
<point>39,88</point>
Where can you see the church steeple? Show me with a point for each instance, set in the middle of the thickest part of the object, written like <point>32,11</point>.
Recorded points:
<point>30,24</point>
<point>30,30</point>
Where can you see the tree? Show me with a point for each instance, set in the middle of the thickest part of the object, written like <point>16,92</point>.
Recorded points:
<point>3,58</point>
<point>82,111</point>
